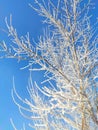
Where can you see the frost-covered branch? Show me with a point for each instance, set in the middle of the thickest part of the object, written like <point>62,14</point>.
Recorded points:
<point>67,53</point>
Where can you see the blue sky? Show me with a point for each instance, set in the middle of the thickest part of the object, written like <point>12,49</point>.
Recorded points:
<point>24,20</point>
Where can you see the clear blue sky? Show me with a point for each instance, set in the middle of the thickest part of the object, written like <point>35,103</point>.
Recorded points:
<point>24,20</point>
